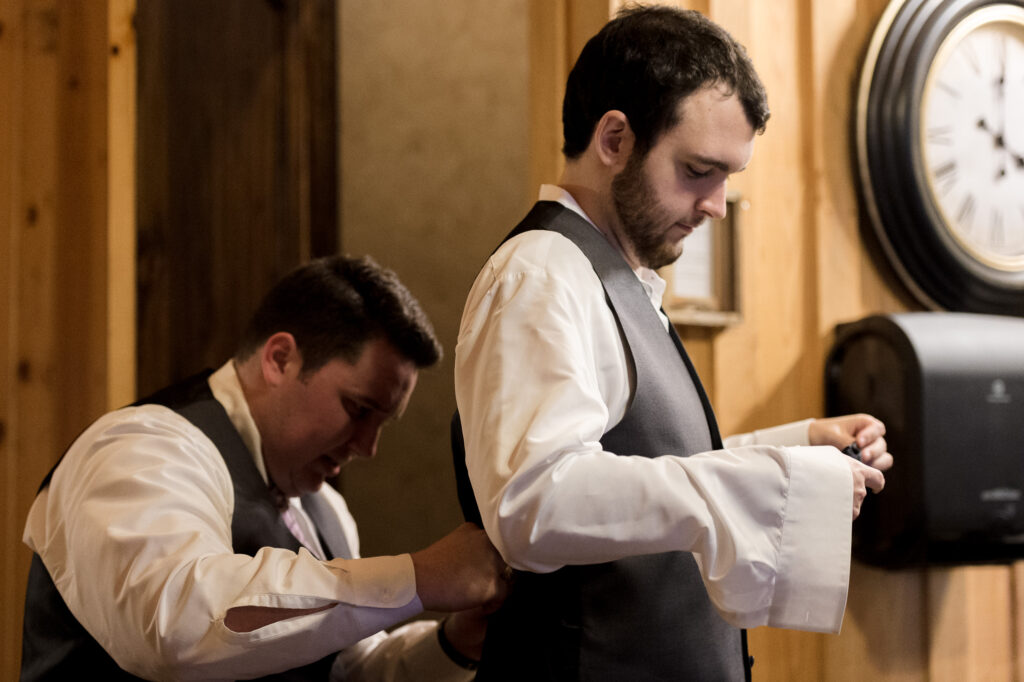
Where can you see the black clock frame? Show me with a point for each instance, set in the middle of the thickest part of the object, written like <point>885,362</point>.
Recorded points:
<point>938,271</point>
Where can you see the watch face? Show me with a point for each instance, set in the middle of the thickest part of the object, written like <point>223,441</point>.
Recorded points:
<point>972,135</point>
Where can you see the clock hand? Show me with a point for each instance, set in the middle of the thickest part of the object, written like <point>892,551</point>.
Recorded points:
<point>1000,142</point>
<point>997,137</point>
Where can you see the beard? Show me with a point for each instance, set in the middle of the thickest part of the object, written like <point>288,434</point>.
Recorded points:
<point>644,222</point>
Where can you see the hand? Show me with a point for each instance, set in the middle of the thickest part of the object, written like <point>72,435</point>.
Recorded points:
<point>461,571</point>
<point>862,428</point>
<point>466,631</point>
<point>864,477</point>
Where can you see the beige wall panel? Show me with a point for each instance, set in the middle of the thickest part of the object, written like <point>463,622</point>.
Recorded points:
<point>434,171</point>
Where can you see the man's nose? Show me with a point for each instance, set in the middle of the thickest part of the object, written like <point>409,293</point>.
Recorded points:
<point>713,203</point>
<point>364,440</point>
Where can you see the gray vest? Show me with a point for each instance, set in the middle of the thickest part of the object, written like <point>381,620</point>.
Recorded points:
<point>644,617</point>
<point>56,647</point>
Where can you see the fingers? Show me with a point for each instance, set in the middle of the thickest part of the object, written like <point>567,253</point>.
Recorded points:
<point>864,478</point>
<point>867,430</point>
<point>874,480</point>
<point>882,461</point>
<point>841,431</point>
<point>859,493</point>
<point>876,454</point>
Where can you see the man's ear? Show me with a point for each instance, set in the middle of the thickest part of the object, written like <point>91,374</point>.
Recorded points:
<point>280,358</point>
<point>613,139</point>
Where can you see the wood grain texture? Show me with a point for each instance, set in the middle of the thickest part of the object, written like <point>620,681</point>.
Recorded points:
<point>67,157</point>
<point>970,624</point>
<point>550,62</point>
<point>12,559</point>
<point>238,180</point>
<point>1018,620</point>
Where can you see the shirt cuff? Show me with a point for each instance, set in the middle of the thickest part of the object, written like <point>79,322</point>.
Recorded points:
<point>794,433</point>
<point>814,554</point>
<point>382,582</point>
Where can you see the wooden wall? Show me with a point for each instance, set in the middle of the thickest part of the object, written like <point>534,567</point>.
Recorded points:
<point>449,120</point>
<point>67,117</point>
<point>237,178</point>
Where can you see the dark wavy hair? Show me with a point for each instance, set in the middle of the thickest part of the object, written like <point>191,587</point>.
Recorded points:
<point>643,63</point>
<point>333,306</point>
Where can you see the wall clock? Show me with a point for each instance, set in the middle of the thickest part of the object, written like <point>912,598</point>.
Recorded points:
<point>940,150</point>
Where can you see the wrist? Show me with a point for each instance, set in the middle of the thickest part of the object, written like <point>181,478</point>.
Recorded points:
<point>457,657</point>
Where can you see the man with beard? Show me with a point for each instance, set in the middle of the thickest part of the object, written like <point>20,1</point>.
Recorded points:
<point>643,544</point>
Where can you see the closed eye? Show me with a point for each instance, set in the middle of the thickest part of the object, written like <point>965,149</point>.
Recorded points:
<point>697,173</point>
<point>356,411</point>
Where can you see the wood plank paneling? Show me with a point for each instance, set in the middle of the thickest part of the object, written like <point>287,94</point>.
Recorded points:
<point>12,561</point>
<point>549,67</point>
<point>237,157</point>
<point>1018,620</point>
<point>121,204</point>
<point>67,157</point>
<point>971,624</point>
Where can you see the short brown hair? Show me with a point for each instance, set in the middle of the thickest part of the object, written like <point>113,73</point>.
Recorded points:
<point>643,63</point>
<point>333,306</point>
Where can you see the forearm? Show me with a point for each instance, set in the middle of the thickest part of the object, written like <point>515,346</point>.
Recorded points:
<point>791,434</point>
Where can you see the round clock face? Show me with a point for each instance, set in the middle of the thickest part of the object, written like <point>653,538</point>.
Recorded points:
<point>972,135</point>
<point>940,147</point>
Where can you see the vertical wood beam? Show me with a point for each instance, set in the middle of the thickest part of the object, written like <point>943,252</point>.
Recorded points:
<point>121,243</point>
<point>1018,620</point>
<point>549,67</point>
<point>11,559</point>
<point>558,30</point>
<point>67,174</point>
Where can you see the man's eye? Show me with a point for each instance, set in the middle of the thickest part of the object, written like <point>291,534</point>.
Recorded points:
<point>356,411</point>
<point>697,173</point>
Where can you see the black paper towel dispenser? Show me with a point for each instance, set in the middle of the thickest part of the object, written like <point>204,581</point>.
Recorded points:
<point>950,389</point>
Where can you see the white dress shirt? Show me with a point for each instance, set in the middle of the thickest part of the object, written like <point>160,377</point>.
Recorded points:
<point>135,530</point>
<point>541,374</point>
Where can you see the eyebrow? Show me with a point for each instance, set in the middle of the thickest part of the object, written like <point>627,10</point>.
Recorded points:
<point>720,165</point>
<point>365,400</point>
<point>392,414</point>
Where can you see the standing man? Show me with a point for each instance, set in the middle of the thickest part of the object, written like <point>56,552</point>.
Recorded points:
<point>643,544</point>
<point>190,536</point>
